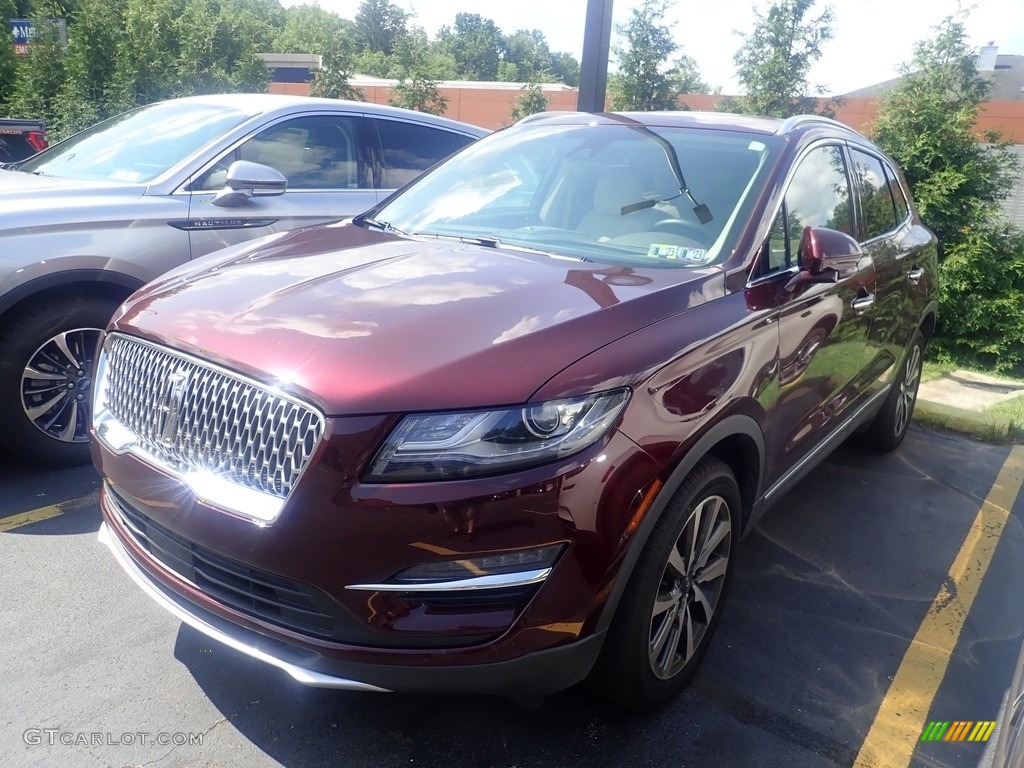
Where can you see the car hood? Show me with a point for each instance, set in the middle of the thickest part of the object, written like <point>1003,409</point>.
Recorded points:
<point>30,200</point>
<point>362,322</point>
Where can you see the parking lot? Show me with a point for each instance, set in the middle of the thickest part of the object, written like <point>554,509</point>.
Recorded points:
<point>848,600</point>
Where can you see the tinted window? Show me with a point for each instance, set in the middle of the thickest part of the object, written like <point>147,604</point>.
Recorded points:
<point>878,212</point>
<point>311,152</point>
<point>409,149</point>
<point>819,194</point>
<point>899,198</point>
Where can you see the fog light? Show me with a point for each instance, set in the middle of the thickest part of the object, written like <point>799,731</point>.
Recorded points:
<point>488,565</point>
<point>505,570</point>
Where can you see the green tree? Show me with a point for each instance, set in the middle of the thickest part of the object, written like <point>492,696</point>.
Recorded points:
<point>645,80</point>
<point>927,125</point>
<point>565,68</point>
<point>146,54</point>
<point>529,103</point>
<point>525,53</point>
<point>379,25</point>
<point>8,58</point>
<point>219,42</point>
<point>476,45</point>
<point>775,59</point>
<point>981,300</point>
<point>331,79</point>
<point>416,87</point>
<point>311,29</point>
<point>40,75</point>
<point>685,77</point>
<point>84,96</point>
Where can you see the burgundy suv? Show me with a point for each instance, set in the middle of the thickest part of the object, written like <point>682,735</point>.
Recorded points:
<point>504,431</point>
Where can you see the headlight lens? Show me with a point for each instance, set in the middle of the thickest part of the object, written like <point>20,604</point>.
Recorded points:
<point>447,446</point>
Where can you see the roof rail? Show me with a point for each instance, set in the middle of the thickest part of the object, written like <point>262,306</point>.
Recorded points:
<point>792,122</point>
<point>542,115</point>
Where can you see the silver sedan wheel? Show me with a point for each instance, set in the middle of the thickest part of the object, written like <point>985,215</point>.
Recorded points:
<point>691,586</point>
<point>908,389</point>
<point>56,385</point>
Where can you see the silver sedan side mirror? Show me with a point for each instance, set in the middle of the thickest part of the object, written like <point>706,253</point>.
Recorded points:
<point>246,180</point>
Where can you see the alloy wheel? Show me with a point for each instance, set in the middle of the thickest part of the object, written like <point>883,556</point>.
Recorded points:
<point>690,587</point>
<point>908,389</point>
<point>56,384</point>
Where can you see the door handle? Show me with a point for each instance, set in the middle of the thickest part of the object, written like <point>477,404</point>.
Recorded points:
<point>915,275</point>
<point>863,303</point>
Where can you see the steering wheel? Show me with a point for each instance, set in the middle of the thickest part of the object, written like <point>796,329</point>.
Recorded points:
<point>681,227</point>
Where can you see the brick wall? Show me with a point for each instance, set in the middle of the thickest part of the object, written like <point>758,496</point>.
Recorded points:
<point>490,106</point>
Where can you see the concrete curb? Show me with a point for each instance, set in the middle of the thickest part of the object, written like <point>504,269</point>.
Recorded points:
<point>984,426</point>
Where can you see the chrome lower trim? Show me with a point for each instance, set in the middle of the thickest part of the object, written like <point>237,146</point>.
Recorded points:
<point>206,487</point>
<point>827,444</point>
<point>496,581</point>
<point>300,674</point>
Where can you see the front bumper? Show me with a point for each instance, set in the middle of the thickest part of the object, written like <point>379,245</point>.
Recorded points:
<point>540,673</point>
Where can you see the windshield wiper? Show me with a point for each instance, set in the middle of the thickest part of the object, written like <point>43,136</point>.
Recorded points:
<point>700,210</point>
<point>485,240</point>
<point>383,226</point>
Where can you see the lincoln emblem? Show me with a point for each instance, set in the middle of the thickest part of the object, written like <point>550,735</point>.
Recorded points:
<point>171,404</point>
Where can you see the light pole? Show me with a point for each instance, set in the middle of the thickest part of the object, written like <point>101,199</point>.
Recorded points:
<point>597,35</point>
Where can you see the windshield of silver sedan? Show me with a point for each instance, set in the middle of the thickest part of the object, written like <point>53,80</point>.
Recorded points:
<point>136,146</point>
<point>622,193</point>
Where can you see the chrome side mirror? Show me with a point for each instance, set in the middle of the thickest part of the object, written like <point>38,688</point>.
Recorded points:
<point>247,180</point>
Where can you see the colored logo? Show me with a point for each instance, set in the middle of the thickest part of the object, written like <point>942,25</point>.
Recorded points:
<point>959,730</point>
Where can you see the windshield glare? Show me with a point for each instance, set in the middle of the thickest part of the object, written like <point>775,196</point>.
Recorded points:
<point>136,146</point>
<point>627,194</point>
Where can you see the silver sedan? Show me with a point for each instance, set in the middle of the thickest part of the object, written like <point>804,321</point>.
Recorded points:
<point>86,222</point>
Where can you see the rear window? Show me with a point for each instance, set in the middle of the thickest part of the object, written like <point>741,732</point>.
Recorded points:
<point>410,149</point>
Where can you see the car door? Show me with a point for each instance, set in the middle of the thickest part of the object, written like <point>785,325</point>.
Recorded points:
<point>325,159</point>
<point>823,326</point>
<point>885,232</point>
<point>408,148</point>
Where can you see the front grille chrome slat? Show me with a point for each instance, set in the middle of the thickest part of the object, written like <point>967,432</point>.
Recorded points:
<point>193,417</point>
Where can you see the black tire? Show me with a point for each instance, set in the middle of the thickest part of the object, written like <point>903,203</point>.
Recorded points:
<point>56,432</point>
<point>646,660</point>
<point>889,426</point>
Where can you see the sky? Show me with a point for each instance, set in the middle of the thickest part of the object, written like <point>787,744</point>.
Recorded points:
<point>871,37</point>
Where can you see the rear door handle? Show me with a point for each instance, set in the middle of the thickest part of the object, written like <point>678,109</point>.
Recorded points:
<point>915,275</point>
<point>863,303</point>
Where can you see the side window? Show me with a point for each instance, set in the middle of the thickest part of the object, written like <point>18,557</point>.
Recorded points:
<point>899,197</point>
<point>778,253</point>
<point>318,152</point>
<point>876,202</point>
<point>409,149</point>
<point>819,195</point>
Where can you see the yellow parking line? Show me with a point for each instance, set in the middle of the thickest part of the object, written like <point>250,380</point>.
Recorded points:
<point>45,513</point>
<point>901,718</point>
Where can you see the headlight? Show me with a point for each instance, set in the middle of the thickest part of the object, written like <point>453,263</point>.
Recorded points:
<point>447,446</point>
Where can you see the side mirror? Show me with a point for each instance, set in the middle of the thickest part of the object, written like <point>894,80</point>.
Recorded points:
<point>246,180</point>
<point>825,254</point>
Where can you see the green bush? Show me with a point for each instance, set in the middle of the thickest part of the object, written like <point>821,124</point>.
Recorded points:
<point>981,301</point>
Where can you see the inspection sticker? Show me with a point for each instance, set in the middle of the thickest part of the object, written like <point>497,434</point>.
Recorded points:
<point>678,253</point>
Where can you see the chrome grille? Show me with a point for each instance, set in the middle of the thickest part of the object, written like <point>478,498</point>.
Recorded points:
<point>192,416</point>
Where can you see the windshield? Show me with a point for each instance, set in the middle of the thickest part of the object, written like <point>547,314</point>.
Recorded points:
<point>136,146</point>
<point>623,193</point>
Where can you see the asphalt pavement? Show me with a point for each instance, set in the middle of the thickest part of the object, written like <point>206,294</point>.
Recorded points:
<point>832,593</point>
